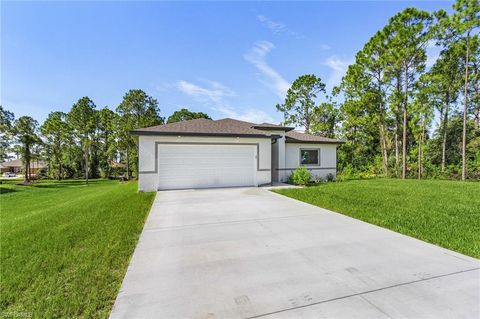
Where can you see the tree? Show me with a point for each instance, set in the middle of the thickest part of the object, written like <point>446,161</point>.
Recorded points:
<point>368,80</point>
<point>326,117</point>
<point>410,35</point>
<point>137,110</point>
<point>299,105</point>
<point>55,130</point>
<point>25,129</point>
<point>81,118</point>
<point>184,115</point>
<point>441,85</point>
<point>107,130</point>
<point>6,120</point>
<point>458,28</point>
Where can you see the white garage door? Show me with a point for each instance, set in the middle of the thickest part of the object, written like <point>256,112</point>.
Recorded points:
<point>201,166</point>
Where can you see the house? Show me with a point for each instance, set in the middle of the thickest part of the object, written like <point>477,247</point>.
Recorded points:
<point>205,153</point>
<point>16,166</point>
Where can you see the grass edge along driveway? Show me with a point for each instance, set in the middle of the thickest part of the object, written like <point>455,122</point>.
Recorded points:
<point>444,213</point>
<point>65,246</point>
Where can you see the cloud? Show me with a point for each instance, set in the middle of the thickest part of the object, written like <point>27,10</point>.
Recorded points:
<point>215,95</point>
<point>257,56</point>
<point>215,92</point>
<point>278,27</point>
<point>325,47</point>
<point>249,115</point>
<point>339,68</point>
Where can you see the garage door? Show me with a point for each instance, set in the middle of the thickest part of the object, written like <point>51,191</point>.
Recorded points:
<point>184,166</point>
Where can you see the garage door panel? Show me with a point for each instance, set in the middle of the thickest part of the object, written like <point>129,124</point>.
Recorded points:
<point>202,166</point>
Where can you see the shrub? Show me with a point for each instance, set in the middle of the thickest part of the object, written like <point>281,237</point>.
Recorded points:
<point>301,176</point>
<point>330,177</point>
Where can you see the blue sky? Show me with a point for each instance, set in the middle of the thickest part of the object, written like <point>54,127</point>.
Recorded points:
<point>228,59</point>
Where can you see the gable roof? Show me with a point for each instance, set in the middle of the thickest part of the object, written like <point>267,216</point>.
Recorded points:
<point>229,127</point>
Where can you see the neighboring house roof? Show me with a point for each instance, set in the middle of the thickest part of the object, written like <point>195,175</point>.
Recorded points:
<point>19,163</point>
<point>228,127</point>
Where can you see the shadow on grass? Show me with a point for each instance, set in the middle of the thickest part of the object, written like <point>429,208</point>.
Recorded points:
<point>5,190</point>
<point>65,184</point>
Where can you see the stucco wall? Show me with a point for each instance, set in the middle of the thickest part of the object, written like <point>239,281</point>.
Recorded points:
<point>328,159</point>
<point>148,179</point>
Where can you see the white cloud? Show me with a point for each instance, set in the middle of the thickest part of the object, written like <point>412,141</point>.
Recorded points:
<point>325,47</point>
<point>278,27</point>
<point>249,115</point>
<point>214,93</point>
<point>257,56</point>
<point>214,96</point>
<point>339,68</point>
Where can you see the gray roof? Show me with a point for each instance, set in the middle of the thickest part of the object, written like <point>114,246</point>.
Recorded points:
<point>228,127</point>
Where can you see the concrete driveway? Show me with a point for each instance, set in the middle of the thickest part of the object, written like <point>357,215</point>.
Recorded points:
<point>250,253</point>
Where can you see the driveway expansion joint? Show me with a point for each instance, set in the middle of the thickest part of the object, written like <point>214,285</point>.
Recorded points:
<point>362,293</point>
<point>240,221</point>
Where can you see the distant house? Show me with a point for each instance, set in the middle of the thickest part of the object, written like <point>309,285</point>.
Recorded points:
<point>204,153</point>
<point>16,166</point>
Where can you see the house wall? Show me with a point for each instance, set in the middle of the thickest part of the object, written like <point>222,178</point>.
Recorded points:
<point>328,159</point>
<point>148,178</point>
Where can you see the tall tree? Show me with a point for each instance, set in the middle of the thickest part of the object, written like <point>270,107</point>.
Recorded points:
<point>326,117</point>
<point>56,131</point>
<point>25,129</point>
<point>184,115</point>
<point>107,131</point>
<point>410,35</point>
<point>81,118</point>
<point>459,28</point>
<point>299,105</point>
<point>368,80</point>
<point>444,81</point>
<point>137,110</point>
<point>6,121</point>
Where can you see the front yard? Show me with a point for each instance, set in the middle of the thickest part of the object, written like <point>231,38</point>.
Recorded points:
<point>444,213</point>
<point>65,246</point>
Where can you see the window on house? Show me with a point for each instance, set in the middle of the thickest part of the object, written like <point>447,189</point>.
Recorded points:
<point>310,157</point>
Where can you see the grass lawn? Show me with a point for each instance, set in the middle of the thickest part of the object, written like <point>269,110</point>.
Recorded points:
<point>444,213</point>
<point>65,246</point>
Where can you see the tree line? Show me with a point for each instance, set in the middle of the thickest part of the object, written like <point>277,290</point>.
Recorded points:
<point>85,142</point>
<point>398,116</point>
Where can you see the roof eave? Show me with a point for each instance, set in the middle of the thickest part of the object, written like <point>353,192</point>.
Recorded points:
<point>152,133</point>
<point>293,141</point>
<point>271,128</point>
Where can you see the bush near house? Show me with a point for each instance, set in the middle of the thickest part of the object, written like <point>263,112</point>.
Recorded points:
<point>300,176</point>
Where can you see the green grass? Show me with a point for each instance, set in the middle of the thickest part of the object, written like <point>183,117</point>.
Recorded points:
<point>444,213</point>
<point>65,246</point>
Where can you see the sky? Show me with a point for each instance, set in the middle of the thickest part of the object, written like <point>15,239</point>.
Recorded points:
<point>227,59</point>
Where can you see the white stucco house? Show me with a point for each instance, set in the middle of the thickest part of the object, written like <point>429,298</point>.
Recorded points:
<point>205,153</point>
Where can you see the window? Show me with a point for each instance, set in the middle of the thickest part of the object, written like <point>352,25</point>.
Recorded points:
<point>310,157</point>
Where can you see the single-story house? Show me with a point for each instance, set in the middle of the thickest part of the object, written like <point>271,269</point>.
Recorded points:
<point>16,166</point>
<point>205,153</point>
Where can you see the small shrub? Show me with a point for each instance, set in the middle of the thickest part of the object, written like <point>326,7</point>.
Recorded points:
<point>301,176</point>
<point>317,179</point>
<point>330,177</point>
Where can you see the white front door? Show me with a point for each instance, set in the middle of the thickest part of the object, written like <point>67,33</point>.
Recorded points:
<point>183,166</point>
